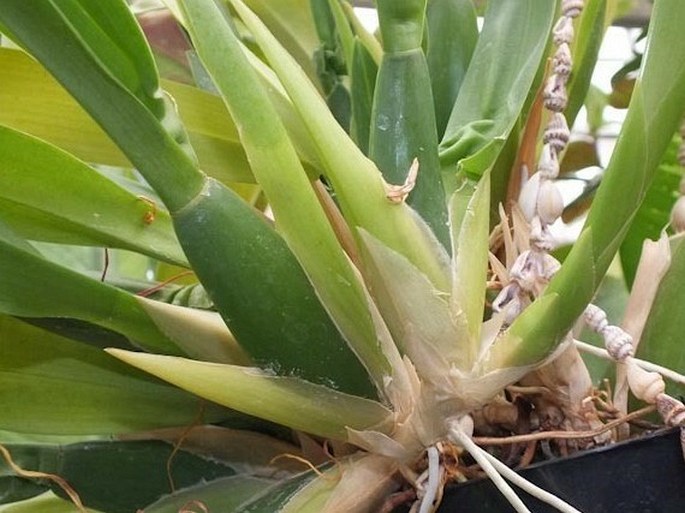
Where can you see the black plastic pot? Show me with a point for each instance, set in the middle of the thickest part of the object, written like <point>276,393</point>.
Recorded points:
<point>646,475</point>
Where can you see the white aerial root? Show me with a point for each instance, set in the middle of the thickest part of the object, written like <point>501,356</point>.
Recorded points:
<point>457,435</point>
<point>528,487</point>
<point>497,471</point>
<point>431,490</point>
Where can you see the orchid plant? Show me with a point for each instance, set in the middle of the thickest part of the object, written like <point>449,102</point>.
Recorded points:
<point>365,229</point>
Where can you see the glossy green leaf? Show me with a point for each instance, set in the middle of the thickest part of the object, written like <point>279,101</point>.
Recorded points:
<point>292,402</point>
<point>662,337</point>
<point>403,129</point>
<point>654,114</point>
<point>504,64</point>
<point>298,213</point>
<point>347,168</point>
<point>654,213</point>
<point>452,37</point>
<point>54,386</point>
<point>114,476</point>
<point>45,194</point>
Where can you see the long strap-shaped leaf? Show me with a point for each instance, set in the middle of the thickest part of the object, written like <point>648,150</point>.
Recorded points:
<point>298,213</point>
<point>46,194</point>
<point>357,181</point>
<point>655,111</point>
<point>35,287</point>
<point>248,270</point>
<point>51,385</point>
<point>498,81</point>
<point>100,57</point>
<point>403,124</point>
<point>452,37</point>
<point>289,401</point>
<point>32,101</point>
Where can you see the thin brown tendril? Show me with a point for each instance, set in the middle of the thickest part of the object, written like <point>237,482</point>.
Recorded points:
<point>32,474</point>
<point>177,446</point>
<point>152,290</point>
<point>305,462</point>
<point>105,266</point>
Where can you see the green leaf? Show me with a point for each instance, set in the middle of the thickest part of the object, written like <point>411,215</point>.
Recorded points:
<point>45,503</point>
<point>75,41</point>
<point>452,37</point>
<point>45,194</point>
<point>32,101</point>
<point>299,215</point>
<point>276,497</point>
<point>115,476</point>
<point>347,168</point>
<point>503,66</point>
<point>292,402</point>
<point>290,21</point>
<point>419,317</point>
<point>654,213</point>
<point>332,56</point>
<point>224,494</point>
<point>588,39</point>
<point>469,264</point>
<point>54,386</point>
<point>403,129</point>
<point>35,287</point>
<point>344,31</point>
<point>215,221</point>
<point>363,82</point>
